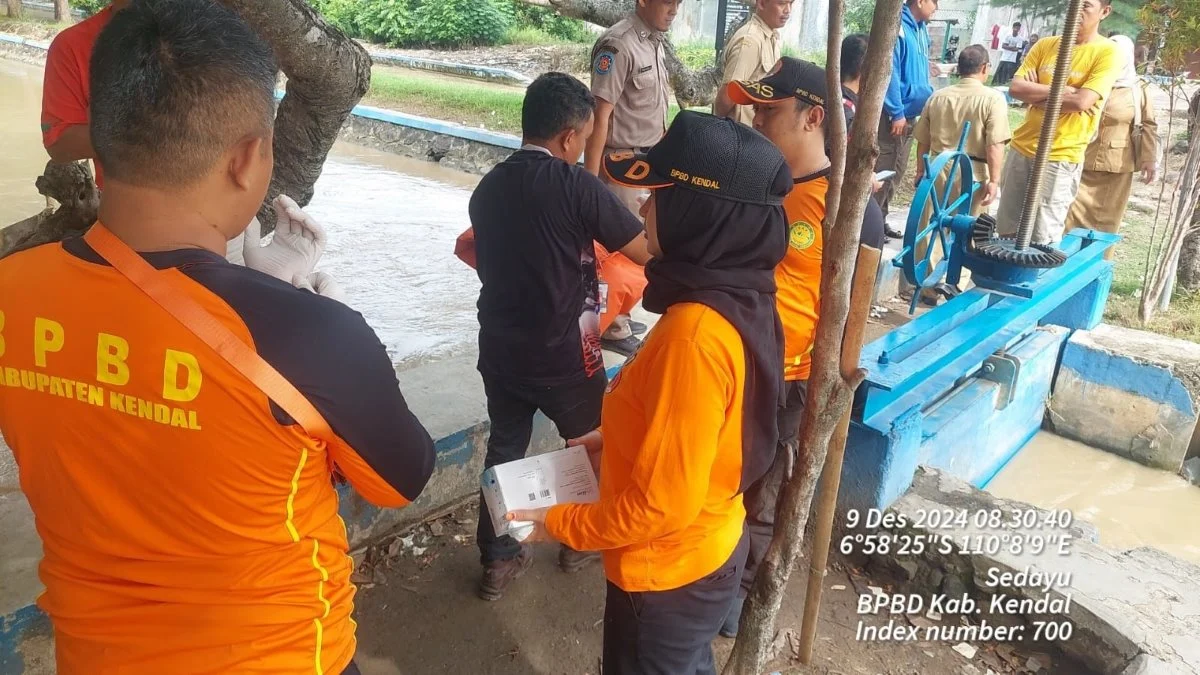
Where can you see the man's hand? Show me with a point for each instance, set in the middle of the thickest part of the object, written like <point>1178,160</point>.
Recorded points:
<point>295,249</point>
<point>1149,171</point>
<point>934,71</point>
<point>900,127</point>
<point>535,516</point>
<point>990,190</point>
<point>916,179</point>
<point>322,284</point>
<point>876,185</point>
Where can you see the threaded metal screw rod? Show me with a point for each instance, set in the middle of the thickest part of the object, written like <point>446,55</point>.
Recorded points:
<point>1062,68</point>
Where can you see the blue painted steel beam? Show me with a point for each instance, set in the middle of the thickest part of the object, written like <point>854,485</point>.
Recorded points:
<point>950,342</point>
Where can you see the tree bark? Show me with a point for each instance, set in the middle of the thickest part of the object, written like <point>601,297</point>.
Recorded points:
<point>830,390</point>
<point>14,9</point>
<point>1188,275</point>
<point>73,187</point>
<point>327,75</point>
<point>692,87</point>
<point>62,11</point>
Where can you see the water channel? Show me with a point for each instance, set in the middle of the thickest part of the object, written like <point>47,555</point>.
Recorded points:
<point>392,223</point>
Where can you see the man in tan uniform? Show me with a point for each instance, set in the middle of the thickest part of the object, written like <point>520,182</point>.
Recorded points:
<point>629,81</point>
<point>751,53</point>
<point>948,110</point>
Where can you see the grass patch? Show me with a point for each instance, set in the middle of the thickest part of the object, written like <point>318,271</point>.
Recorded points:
<point>495,107</point>
<point>534,36</point>
<point>446,98</point>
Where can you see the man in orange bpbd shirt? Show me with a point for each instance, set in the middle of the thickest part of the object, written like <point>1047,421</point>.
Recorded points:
<point>789,109</point>
<point>66,92</point>
<point>189,522</point>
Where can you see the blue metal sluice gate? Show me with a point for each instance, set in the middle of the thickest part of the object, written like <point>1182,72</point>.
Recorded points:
<point>963,386</point>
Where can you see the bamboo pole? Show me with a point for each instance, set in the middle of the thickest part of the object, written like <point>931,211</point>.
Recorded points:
<point>861,291</point>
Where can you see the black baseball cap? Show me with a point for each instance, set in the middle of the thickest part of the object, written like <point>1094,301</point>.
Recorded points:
<point>790,78</point>
<point>710,155</point>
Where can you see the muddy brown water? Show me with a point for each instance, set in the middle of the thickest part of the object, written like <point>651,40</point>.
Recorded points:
<point>392,222</point>
<point>1132,505</point>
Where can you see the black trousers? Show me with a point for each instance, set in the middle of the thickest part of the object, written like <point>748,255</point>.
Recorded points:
<point>1004,72</point>
<point>574,409</point>
<point>670,632</point>
<point>351,670</point>
<point>761,498</point>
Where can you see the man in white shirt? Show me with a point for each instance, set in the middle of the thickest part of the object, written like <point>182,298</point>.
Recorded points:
<point>1010,56</point>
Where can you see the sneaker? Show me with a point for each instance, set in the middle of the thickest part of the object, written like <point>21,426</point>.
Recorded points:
<point>624,346</point>
<point>498,574</point>
<point>637,327</point>
<point>729,629</point>
<point>892,232</point>
<point>571,561</point>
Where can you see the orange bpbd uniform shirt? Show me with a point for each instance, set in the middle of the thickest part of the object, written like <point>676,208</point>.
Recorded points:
<point>669,510</point>
<point>66,87</point>
<point>798,277</point>
<point>188,525</point>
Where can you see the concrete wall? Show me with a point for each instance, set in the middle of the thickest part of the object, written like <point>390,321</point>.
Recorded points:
<point>1130,392</point>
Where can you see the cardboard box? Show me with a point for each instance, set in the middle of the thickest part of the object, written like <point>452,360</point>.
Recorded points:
<point>560,477</point>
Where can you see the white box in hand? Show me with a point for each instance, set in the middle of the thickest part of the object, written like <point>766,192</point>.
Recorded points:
<point>560,477</point>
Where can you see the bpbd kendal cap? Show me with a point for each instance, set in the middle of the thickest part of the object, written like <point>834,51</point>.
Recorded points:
<point>790,78</point>
<point>712,155</point>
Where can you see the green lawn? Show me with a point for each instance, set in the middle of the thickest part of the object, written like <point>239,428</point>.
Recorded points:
<point>496,107</point>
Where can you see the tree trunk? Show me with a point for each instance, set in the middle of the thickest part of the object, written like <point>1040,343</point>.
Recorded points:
<point>328,74</point>
<point>62,11</point>
<point>14,9</point>
<point>692,87</point>
<point>1188,275</point>
<point>1182,222</point>
<point>830,390</point>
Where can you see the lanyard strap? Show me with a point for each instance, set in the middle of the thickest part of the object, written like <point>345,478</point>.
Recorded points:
<point>205,326</point>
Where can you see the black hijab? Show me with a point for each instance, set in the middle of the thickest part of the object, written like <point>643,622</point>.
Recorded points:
<point>722,254</point>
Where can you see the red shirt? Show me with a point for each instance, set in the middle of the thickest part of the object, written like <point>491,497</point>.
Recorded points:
<point>66,90</point>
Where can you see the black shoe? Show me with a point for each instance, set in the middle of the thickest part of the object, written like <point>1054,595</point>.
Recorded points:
<point>892,232</point>
<point>571,561</point>
<point>624,346</point>
<point>498,574</point>
<point>637,327</point>
<point>729,629</point>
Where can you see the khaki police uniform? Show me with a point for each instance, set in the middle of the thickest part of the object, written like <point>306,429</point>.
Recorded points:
<point>750,54</point>
<point>1111,160</point>
<point>948,110</point>
<point>629,71</point>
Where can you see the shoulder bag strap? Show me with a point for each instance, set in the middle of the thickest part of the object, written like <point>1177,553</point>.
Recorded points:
<point>206,327</point>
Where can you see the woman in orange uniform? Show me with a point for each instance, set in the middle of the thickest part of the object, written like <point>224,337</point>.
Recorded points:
<point>689,422</point>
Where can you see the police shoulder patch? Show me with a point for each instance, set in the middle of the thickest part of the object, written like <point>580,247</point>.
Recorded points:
<point>603,62</point>
<point>801,235</point>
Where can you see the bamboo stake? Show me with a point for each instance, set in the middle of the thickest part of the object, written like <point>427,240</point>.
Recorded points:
<point>831,475</point>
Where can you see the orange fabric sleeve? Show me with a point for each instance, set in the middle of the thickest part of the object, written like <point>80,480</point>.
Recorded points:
<point>64,93</point>
<point>686,393</point>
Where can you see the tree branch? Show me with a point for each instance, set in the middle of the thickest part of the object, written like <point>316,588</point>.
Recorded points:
<point>327,75</point>
<point>830,392</point>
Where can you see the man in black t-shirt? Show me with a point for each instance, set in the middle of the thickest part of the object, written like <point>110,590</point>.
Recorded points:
<point>535,217</point>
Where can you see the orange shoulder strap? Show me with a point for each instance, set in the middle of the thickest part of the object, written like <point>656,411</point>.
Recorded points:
<point>205,326</point>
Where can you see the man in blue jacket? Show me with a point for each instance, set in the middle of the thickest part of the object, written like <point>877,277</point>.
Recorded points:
<point>906,96</point>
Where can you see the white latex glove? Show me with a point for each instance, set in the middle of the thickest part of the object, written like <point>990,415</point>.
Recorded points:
<point>322,284</point>
<point>296,247</point>
<point>233,250</point>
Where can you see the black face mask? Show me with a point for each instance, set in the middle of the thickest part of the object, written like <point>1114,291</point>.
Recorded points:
<point>723,254</point>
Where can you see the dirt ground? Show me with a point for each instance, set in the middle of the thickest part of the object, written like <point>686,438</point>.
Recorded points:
<point>417,613</point>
